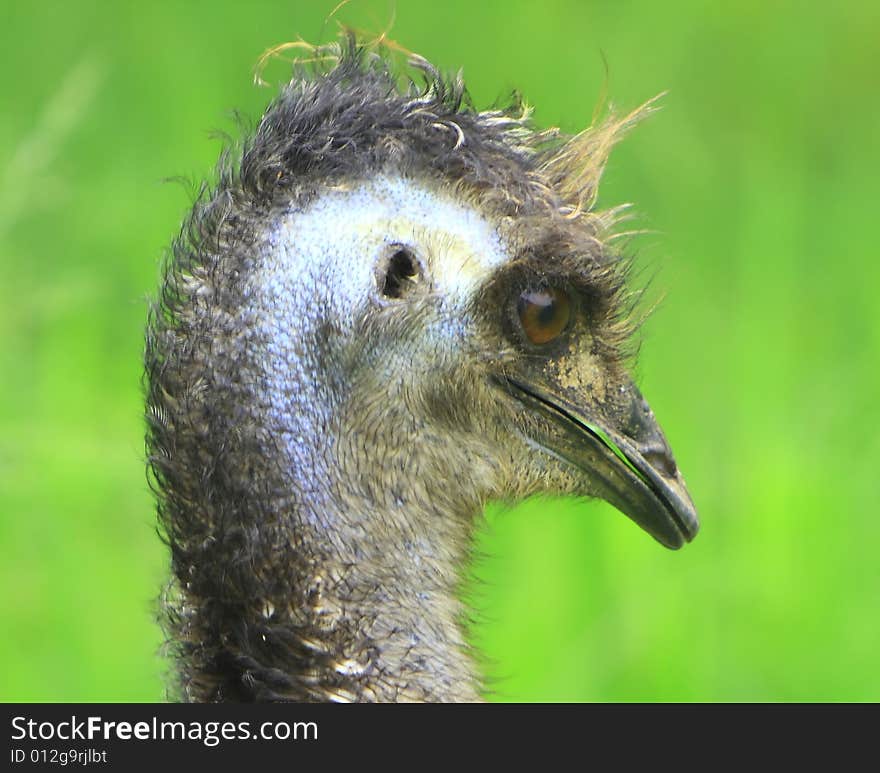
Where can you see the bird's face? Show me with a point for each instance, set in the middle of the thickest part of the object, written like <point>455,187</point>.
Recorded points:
<point>570,399</point>
<point>462,351</point>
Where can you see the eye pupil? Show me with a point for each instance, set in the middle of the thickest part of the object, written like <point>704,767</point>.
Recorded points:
<point>544,314</point>
<point>548,313</point>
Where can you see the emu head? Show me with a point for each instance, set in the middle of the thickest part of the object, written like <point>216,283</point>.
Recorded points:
<point>392,309</point>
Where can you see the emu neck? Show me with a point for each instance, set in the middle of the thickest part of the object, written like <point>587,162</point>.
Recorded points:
<point>339,595</point>
<point>379,610</point>
<point>342,606</point>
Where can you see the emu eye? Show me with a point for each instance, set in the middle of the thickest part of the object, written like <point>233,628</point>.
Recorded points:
<point>544,314</point>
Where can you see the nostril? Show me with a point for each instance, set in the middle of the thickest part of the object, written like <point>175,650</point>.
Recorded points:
<point>661,460</point>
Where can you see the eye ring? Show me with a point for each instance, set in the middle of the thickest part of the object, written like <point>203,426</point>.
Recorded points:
<point>544,314</point>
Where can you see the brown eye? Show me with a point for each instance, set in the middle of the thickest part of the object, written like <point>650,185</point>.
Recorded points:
<point>544,314</point>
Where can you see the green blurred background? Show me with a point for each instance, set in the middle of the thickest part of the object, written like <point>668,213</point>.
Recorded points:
<point>758,181</point>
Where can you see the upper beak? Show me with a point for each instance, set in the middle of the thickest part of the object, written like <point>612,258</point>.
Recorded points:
<point>625,454</point>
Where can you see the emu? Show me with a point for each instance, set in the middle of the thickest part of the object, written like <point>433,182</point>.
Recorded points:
<point>390,309</point>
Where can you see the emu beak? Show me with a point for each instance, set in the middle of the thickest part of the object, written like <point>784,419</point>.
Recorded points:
<point>624,453</point>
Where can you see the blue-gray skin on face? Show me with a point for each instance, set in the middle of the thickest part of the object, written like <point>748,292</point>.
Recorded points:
<point>339,377</point>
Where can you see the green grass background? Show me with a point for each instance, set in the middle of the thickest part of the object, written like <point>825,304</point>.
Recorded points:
<point>759,182</point>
